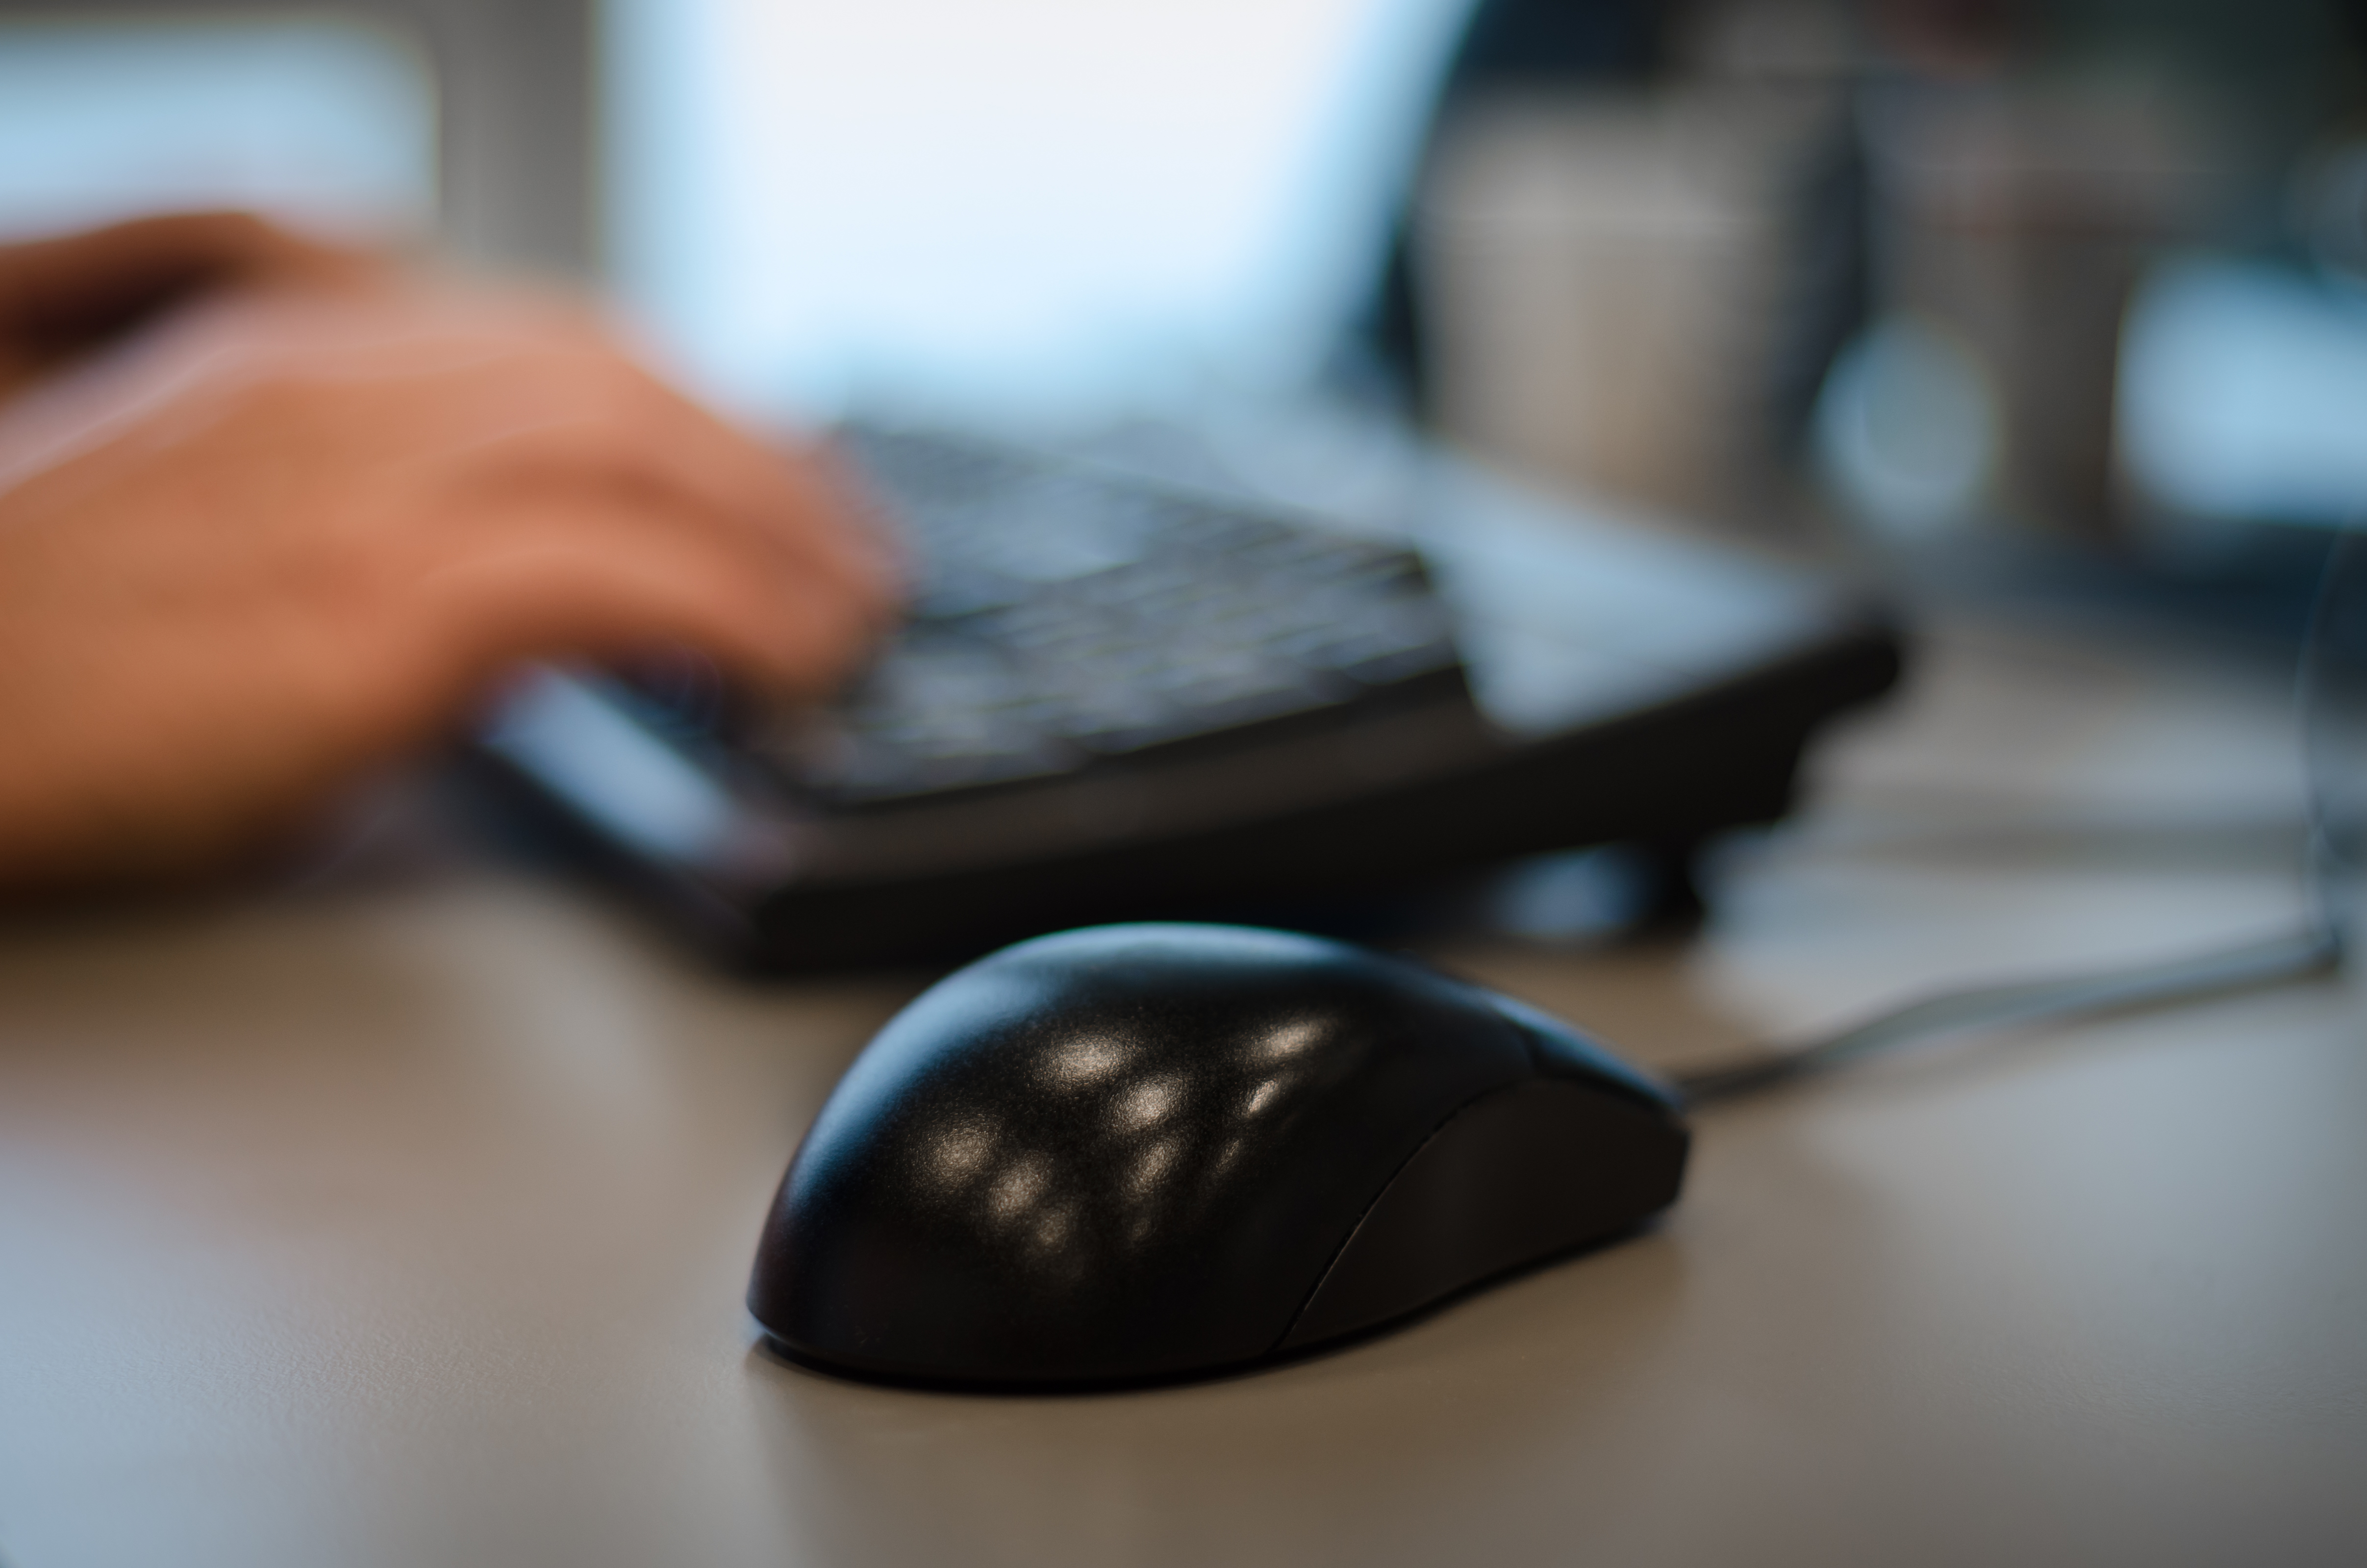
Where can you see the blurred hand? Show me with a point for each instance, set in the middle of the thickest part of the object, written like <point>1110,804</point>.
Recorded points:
<point>280,538</point>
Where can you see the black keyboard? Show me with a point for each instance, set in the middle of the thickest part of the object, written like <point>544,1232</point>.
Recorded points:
<point>1062,617</point>
<point>1122,699</point>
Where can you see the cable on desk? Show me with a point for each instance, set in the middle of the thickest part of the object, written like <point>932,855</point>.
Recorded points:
<point>2316,949</point>
<point>2311,952</point>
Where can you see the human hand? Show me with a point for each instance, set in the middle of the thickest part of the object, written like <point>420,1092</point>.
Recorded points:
<point>286,536</point>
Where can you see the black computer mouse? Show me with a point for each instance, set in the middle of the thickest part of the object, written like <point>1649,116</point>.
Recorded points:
<point>1132,1153</point>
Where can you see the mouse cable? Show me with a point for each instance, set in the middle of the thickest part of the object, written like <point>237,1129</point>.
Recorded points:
<point>2316,949</point>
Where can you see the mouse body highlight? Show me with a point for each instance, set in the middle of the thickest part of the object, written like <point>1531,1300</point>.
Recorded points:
<point>1134,1154</point>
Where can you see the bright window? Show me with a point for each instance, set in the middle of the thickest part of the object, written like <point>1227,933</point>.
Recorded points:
<point>1023,207</point>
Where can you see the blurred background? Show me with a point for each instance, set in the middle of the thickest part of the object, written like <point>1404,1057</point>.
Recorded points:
<point>1955,281</point>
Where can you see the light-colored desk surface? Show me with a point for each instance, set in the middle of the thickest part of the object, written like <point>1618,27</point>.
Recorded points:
<point>407,1223</point>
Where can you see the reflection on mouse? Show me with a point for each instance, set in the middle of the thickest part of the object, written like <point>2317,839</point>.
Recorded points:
<point>1135,1153</point>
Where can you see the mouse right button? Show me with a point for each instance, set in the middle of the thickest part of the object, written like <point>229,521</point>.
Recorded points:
<point>1513,1178</point>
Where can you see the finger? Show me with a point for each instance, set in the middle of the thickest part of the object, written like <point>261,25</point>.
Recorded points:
<point>677,458</point>
<point>817,516</point>
<point>878,532</point>
<point>415,432</point>
<point>583,409</point>
<point>602,583</point>
<point>524,424</point>
<point>587,482</point>
<point>520,390</point>
<point>622,416</point>
<point>867,527</point>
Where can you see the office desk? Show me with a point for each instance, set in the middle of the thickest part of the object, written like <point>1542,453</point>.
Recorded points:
<point>406,1223</point>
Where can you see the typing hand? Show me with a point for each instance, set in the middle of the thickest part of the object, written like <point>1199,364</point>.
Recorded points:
<point>288,533</point>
